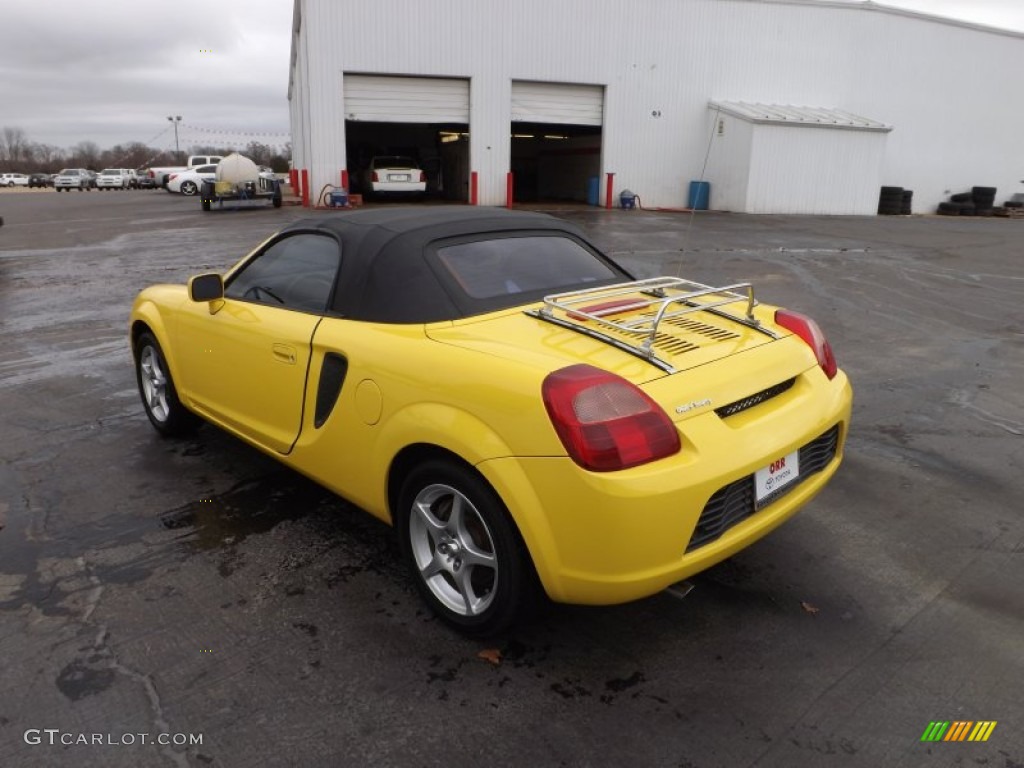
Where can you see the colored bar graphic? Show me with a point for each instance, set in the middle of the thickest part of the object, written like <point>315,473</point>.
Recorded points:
<point>982,730</point>
<point>958,730</point>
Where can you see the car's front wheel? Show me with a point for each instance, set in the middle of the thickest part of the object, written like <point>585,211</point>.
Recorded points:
<point>156,387</point>
<point>462,548</point>
<point>189,188</point>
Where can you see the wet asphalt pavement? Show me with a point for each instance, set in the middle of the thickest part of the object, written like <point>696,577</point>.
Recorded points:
<point>196,588</point>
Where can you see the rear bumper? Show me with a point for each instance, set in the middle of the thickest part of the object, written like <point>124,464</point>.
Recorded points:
<point>398,187</point>
<point>603,538</point>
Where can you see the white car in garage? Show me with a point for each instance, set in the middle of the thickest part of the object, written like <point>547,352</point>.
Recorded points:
<point>394,175</point>
<point>189,182</point>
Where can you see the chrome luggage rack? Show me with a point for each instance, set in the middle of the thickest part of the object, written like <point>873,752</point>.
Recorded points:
<point>658,297</point>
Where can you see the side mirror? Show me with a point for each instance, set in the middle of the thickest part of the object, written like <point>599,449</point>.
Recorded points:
<point>208,287</point>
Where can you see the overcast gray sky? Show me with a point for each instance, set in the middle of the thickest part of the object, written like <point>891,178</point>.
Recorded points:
<point>111,71</point>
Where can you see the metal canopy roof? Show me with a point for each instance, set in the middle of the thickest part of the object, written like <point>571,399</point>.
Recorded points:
<point>787,114</point>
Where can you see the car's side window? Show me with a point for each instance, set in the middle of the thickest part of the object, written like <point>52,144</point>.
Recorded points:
<point>296,272</point>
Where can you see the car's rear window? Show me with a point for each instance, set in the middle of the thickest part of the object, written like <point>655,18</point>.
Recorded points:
<point>394,162</point>
<point>509,266</point>
<point>110,172</point>
<point>68,172</point>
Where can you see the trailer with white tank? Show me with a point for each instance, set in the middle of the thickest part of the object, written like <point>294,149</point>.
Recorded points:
<point>240,179</point>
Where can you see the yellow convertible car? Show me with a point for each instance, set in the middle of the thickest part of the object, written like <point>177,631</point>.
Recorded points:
<point>521,409</point>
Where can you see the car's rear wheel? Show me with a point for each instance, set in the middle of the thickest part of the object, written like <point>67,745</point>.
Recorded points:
<point>156,387</point>
<point>189,188</point>
<point>464,553</point>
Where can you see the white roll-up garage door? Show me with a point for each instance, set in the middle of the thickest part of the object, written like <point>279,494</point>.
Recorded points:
<point>563,103</point>
<point>387,99</point>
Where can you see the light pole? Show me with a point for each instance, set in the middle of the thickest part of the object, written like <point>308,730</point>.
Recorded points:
<point>174,121</point>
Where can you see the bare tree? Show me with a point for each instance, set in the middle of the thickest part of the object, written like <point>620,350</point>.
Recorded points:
<point>47,157</point>
<point>14,146</point>
<point>86,154</point>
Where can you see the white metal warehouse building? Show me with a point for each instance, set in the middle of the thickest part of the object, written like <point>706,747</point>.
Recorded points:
<point>781,106</point>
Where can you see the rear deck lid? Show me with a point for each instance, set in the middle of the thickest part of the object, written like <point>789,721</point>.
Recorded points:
<point>640,330</point>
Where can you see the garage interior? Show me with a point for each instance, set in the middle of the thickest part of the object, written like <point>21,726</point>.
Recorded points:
<point>442,149</point>
<point>555,162</point>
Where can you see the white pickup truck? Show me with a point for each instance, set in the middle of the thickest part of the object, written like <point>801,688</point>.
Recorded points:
<point>159,174</point>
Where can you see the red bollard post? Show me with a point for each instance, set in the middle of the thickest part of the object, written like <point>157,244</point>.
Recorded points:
<point>305,188</point>
<point>344,179</point>
<point>508,190</point>
<point>293,180</point>
<point>608,191</point>
<point>474,188</point>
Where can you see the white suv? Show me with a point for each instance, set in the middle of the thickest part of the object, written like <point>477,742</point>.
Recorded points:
<point>13,180</point>
<point>113,178</point>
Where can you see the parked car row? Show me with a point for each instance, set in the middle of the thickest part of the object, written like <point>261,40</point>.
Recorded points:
<point>186,180</point>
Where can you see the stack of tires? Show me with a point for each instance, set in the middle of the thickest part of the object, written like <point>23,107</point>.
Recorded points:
<point>894,201</point>
<point>978,202</point>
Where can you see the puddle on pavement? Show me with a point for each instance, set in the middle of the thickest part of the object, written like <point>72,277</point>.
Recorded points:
<point>252,506</point>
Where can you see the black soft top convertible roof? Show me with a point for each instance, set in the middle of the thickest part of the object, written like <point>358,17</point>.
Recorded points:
<point>388,270</point>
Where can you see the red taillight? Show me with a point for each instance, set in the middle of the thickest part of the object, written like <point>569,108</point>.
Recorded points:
<point>423,177</point>
<point>151,175</point>
<point>605,422</point>
<point>374,177</point>
<point>808,330</point>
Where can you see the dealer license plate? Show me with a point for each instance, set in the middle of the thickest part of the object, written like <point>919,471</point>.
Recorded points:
<point>770,480</point>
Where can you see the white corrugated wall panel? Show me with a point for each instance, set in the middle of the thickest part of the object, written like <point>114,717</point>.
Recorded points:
<point>814,170</point>
<point>942,87</point>
<point>729,162</point>
<point>406,99</point>
<point>562,103</point>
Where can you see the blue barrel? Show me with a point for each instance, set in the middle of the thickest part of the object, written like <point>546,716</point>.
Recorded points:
<point>700,195</point>
<point>339,198</point>
<point>593,190</point>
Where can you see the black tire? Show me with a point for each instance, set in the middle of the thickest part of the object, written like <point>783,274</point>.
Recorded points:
<point>949,209</point>
<point>962,197</point>
<point>479,599</point>
<point>156,388</point>
<point>189,188</point>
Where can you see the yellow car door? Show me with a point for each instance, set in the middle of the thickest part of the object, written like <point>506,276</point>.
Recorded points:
<point>244,358</point>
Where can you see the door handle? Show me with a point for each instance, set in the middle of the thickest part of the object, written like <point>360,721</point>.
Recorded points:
<point>284,353</point>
